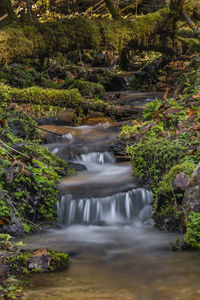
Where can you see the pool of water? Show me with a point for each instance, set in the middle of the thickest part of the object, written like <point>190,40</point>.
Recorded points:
<point>116,262</point>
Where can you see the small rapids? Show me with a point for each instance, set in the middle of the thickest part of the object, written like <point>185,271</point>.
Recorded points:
<point>119,208</point>
<point>105,223</point>
<point>107,192</point>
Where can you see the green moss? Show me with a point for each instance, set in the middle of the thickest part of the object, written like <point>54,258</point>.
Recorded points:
<point>21,125</point>
<point>151,108</point>
<point>27,184</point>
<point>168,210</point>
<point>189,83</point>
<point>165,186</point>
<point>141,130</point>
<point>19,263</point>
<point>191,239</point>
<point>59,260</point>
<point>43,40</point>
<point>65,98</point>
<point>154,157</point>
<point>85,88</point>
<point>19,42</point>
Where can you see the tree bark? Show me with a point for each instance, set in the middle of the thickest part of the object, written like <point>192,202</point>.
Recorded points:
<point>29,9</point>
<point>112,9</point>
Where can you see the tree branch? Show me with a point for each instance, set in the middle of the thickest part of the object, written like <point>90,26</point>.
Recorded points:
<point>191,24</point>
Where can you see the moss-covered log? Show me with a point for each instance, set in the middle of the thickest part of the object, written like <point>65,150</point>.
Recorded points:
<point>63,98</point>
<point>149,32</point>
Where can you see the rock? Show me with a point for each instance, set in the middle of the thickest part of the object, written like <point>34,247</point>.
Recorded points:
<point>77,167</point>
<point>40,260</point>
<point>4,269</point>
<point>118,148</point>
<point>15,228</point>
<point>191,200</point>
<point>66,118</point>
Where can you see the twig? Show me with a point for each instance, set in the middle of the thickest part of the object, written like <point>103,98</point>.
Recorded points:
<point>43,129</point>
<point>191,24</point>
<point>13,149</point>
<point>4,17</point>
<point>6,151</point>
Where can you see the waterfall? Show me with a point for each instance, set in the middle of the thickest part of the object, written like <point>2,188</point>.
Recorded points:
<point>96,157</point>
<point>119,208</point>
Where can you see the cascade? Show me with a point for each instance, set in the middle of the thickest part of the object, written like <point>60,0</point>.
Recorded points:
<point>119,208</point>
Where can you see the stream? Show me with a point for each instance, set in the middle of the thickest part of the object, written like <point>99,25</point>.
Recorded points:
<point>106,224</point>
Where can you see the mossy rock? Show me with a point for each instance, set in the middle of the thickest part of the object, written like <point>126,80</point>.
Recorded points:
<point>21,125</point>
<point>168,210</point>
<point>152,158</point>
<point>48,260</point>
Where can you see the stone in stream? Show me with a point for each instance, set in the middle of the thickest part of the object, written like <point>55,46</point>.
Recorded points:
<point>118,149</point>
<point>66,118</point>
<point>40,260</point>
<point>191,200</point>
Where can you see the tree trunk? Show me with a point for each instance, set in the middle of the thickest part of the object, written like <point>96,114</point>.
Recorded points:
<point>6,12</point>
<point>112,9</point>
<point>29,9</point>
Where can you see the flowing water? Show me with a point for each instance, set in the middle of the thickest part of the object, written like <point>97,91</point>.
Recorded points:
<point>105,216</point>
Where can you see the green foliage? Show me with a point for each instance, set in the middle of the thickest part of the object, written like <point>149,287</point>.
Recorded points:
<point>20,125</point>
<point>152,158</point>
<point>142,130</point>
<point>27,185</point>
<point>166,188</point>
<point>170,112</point>
<point>6,244</point>
<point>191,239</point>
<point>59,260</point>
<point>151,108</point>
<point>20,262</point>
<point>168,210</point>
<point>20,76</point>
<point>5,237</point>
<point>5,210</point>
<point>90,89</point>
<point>190,83</point>
<point>66,98</point>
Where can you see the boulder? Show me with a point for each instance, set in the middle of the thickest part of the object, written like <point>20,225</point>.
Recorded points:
<point>191,200</point>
